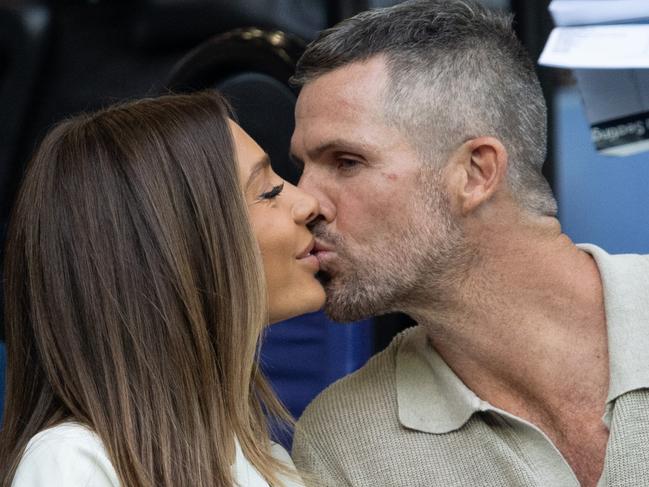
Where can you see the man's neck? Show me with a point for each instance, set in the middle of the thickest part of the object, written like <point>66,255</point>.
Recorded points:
<point>526,329</point>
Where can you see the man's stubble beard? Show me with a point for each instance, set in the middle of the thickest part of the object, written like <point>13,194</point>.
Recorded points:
<point>420,262</point>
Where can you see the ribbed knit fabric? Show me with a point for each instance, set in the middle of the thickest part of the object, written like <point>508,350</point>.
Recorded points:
<point>352,437</point>
<point>627,453</point>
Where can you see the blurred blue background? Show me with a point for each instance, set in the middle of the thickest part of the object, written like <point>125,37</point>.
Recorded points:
<point>602,200</point>
<point>304,355</point>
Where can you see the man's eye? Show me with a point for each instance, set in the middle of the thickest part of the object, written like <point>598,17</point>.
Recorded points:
<point>346,164</point>
<point>273,193</point>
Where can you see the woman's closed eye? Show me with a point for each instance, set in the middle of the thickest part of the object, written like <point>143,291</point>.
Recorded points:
<point>273,193</point>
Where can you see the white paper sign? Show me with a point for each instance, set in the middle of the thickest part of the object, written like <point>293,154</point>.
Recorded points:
<point>601,47</point>
<point>611,65</point>
<point>588,12</point>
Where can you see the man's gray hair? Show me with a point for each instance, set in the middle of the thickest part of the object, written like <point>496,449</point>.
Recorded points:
<point>456,71</point>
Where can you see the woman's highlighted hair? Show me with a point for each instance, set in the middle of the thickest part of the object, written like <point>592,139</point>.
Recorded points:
<point>135,296</point>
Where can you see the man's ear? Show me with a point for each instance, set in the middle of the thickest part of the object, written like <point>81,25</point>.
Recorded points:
<point>480,166</point>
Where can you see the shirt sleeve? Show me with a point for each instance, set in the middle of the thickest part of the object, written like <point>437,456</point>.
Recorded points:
<point>72,462</point>
<point>315,472</point>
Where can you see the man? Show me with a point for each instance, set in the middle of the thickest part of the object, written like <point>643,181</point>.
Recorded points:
<point>421,129</point>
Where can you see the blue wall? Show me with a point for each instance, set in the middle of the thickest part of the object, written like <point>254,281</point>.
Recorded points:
<point>304,355</point>
<point>602,200</point>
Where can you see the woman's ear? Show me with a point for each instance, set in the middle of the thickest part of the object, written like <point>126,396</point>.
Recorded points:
<point>480,166</point>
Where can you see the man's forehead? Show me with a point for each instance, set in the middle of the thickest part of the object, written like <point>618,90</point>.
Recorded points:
<point>315,136</point>
<point>350,88</point>
<point>345,104</point>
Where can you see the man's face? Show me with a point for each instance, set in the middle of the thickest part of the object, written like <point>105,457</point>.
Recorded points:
<point>385,223</point>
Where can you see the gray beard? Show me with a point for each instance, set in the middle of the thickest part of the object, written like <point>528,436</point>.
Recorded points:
<point>362,289</point>
<point>420,263</point>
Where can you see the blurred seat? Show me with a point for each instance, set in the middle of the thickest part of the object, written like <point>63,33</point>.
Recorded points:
<point>251,67</point>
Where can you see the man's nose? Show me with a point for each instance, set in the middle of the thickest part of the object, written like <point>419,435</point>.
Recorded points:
<point>311,185</point>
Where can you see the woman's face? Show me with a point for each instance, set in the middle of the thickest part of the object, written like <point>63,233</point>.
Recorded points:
<point>279,213</point>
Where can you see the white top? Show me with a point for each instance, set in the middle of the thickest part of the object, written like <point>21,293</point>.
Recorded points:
<point>72,455</point>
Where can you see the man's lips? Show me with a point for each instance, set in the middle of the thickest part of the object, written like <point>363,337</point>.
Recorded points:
<point>324,252</point>
<point>321,246</point>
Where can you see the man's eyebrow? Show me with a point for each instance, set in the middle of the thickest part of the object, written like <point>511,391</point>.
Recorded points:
<point>257,169</point>
<point>339,144</point>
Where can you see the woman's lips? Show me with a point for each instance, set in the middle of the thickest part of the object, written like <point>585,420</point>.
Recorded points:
<point>312,261</point>
<point>308,250</point>
<point>307,256</point>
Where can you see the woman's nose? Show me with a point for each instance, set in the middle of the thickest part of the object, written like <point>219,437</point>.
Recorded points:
<point>306,208</point>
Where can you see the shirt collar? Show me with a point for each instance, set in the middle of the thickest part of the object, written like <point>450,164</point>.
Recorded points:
<point>432,399</point>
<point>625,280</point>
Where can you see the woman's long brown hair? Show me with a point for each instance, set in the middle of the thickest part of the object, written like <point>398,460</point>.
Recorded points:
<point>135,296</point>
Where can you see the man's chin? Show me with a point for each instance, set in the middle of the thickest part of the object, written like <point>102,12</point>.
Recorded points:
<point>340,308</point>
<point>338,315</point>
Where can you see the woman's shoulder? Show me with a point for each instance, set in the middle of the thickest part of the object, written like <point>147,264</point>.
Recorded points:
<point>68,454</point>
<point>282,455</point>
<point>246,474</point>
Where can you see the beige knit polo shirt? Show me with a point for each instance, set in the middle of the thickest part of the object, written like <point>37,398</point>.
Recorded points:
<point>405,419</point>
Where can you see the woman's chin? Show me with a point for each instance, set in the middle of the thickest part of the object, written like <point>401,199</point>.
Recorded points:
<point>302,305</point>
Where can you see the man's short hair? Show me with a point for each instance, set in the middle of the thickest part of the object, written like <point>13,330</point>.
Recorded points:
<point>456,71</point>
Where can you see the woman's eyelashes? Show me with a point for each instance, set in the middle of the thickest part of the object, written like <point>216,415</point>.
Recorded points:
<point>273,193</point>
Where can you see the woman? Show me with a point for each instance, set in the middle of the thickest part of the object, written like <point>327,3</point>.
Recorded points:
<point>135,299</point>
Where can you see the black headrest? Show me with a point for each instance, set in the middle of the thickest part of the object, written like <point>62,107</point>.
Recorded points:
<point>251,67</point>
